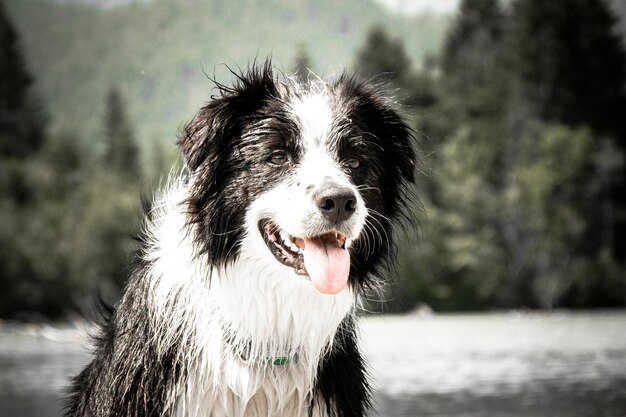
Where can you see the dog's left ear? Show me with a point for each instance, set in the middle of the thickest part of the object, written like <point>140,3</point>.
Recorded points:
<point>218,125</point>
<point>380,119</point>
<point>396,139</point>
<point>215,133</point>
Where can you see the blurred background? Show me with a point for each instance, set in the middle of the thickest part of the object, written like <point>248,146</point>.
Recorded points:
<point>520,112</point>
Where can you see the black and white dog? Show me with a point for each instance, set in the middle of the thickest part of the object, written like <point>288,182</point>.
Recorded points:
<point>251,264</point>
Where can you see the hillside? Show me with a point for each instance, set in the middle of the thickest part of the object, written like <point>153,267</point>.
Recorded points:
<point>158,52</point>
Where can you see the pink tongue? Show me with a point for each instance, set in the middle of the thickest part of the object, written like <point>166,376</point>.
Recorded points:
<point>327,264</point>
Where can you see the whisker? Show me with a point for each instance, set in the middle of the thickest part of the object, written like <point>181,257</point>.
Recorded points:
<point>379,214</point>
<point>365,187</point>
<point>382,227</point>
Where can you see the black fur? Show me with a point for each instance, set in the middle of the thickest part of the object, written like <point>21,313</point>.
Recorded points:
<point>342,384</point>
<point>225,149</point>
<point>127,376</point>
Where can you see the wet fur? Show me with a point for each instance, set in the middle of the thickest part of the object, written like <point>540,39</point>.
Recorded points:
<point>204,308</point>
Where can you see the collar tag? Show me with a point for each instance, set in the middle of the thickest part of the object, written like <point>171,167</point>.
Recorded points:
<point>282,360</point>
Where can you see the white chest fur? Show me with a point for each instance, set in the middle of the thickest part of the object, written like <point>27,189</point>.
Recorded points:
<point>233,323</point>
<point>262,346</point>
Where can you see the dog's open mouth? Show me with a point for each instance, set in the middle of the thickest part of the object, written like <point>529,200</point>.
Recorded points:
<point>324,258</point>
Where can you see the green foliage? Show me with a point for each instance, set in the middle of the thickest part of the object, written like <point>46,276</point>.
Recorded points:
<point>519,207</point>
<point>570,65</point>
<point>543,210</point>
<point>108,220</point>
<point>384,58</point>
<point>67,214</point>
<point>571,62</point>
<point>21,124</point>
<point>474,79</point>
<point>520,121</point>
<point>74,238</point>
<point>157,52</point>
<point>14,79</point>
<point>21,136</point>
<point>34,233</point>
<point>508,243</point>
<point>382,55</point>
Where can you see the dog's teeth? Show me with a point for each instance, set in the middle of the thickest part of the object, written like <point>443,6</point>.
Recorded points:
<point>289,242</point>
<point>284,236</point>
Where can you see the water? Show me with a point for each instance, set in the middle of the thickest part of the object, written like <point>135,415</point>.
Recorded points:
<point>536,365</point>
<point>496,365</point>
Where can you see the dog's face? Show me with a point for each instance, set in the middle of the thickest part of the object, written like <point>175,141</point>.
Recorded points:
<point>311,176</point>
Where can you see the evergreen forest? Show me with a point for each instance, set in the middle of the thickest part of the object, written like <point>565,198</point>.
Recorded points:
<point>519,111</point>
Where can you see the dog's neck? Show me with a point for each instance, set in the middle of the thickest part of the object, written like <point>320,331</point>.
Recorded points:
<point>254,297</point>
<point>242,324</point>
<point>278,311</point>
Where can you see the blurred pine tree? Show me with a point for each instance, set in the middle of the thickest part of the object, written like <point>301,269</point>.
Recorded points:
<point>302,65</point>
<point>21,136</point>
<point>382,56</point>
<point>473,78</point>
<point>518,203</point>
<point>66,217</point>
<point>121,152</point>
<point>21,122</point>
<point>570,65</point>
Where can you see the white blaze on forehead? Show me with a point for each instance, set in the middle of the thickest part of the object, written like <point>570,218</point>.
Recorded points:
<point>314,115</point>
<point>319,164</point>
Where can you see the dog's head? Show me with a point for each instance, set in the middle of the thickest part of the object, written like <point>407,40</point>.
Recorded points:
<point>310,177</point>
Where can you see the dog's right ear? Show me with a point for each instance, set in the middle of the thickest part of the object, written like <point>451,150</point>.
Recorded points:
<point>218,125</point>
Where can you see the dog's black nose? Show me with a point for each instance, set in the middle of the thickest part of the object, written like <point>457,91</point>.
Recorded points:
<point>336,203</point>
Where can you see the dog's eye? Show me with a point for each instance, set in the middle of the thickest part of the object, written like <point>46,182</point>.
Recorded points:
<point>353,163</point>
<point>278,158</point>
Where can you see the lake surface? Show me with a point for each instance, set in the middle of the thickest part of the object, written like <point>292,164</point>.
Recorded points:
<point>505,364</point>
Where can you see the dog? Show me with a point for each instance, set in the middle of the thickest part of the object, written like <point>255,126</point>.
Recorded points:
<point>252,262</point>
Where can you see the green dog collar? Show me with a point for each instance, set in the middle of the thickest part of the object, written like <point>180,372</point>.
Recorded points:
<point>282,360</point>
